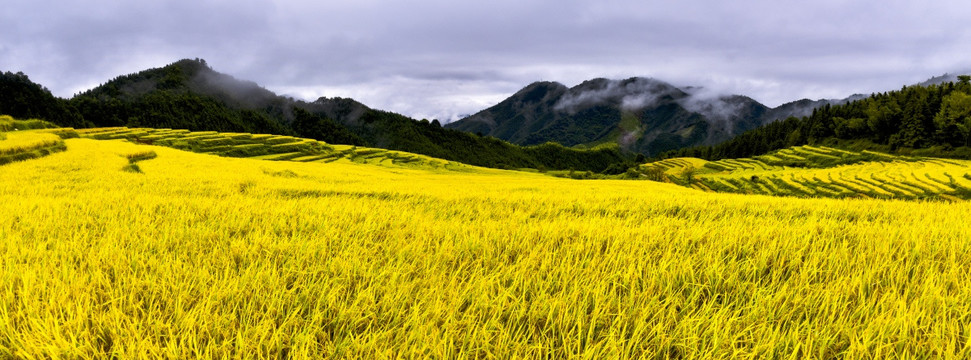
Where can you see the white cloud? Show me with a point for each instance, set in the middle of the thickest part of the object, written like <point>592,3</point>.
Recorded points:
<point>439,59</point>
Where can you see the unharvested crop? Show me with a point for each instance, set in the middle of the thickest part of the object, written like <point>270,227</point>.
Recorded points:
<point>267,147</point>
<point>204,256</point>
<point>807,171</point>
<point>23,145</point>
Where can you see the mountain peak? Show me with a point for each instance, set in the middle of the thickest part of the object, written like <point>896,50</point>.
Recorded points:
<point>947,77</point>
<point>537,91</point>
<point>641,114</point>
<point>192,65</point>
<point>634,93</point>
<point>189,75</point>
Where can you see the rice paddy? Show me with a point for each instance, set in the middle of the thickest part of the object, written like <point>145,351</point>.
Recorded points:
<point>202,256</point>
<point>267,147</point>
<point>817,171</point>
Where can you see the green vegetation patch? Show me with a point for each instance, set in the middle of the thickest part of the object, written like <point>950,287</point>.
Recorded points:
<point>8,123</point>
<point>29,144</point>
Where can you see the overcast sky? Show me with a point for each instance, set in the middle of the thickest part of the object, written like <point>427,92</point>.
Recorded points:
<point>440,59</point>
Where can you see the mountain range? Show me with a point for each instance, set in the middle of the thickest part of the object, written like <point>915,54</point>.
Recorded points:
<point>598,125</point>
<point>188,94</point>
<point>641,115</point>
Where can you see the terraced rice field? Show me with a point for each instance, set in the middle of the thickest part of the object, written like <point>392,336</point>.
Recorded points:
<point>817,171</point>
<point>267,147</point>
<point>30,144</point>
<point>120,249</point>
<point>113,249</point>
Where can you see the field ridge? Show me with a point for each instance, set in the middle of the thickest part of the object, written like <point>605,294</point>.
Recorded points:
<point>820,171</point>
<point>268,147</point>
<point>30,139</point>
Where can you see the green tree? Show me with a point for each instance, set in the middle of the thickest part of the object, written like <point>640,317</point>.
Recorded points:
<point>953,121</point>
<point>24,99</point>
<point>320,128</point>
<point>688,173</point>
<point>850,128</point>
<point>883,118</point>
<point>916,123</point>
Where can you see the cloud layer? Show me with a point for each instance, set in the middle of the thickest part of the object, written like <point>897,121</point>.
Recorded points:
<point>442,59</point>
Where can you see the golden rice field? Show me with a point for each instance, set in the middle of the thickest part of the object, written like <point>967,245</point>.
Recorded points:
<point>818,171</point>
<point>199,256</point>
<point>267,147</point>
<point>23,145</point>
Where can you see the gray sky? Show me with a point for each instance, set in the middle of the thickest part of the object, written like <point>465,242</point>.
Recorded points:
<point>440,59</point>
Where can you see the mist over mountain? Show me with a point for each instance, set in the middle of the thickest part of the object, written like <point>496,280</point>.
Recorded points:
<point>188,94</point>
<point>643,115</point>
<point>615,118</point>
<point>945,78</point>
<point>923,120</point>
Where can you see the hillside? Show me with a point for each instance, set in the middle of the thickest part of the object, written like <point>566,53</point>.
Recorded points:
<point>160,252</point>
<point>933,120</point>
<point>267,147</point>
<point>819,171</point>
<point>803,171</point>
<point>24,99</point>
<point>643,115</point>
<point>190,95</point>
<point>30,139</point>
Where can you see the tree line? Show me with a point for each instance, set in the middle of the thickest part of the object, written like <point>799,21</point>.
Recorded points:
<point>930,120</point>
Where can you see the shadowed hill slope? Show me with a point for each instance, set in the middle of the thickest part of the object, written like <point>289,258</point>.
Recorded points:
<point>643,115</point>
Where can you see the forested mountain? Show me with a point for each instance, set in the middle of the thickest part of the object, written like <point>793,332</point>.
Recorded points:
<point>24,99</point>
<point>932,120</point>
<point>641,115</point>
<point>188,94</point>
<point>945,78</point>
<point>185,95</point>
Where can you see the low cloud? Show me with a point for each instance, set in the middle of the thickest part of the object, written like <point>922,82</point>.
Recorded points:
<point>456,55</point>
<point>445,100</point>
<point>631,94</point>
<point>718,108</point>
<point>574,100</point>
<point>710,103</point>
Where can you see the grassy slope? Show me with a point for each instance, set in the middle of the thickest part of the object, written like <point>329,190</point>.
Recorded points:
<point>204,256</point>
<point>267,147</point>
<point>30,139</point>
<point>808,171</point>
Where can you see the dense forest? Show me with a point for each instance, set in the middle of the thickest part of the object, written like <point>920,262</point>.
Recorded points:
<point>642,115</point>
<point>23,99</point>
<point>921,120</point>
<point>190,95</point>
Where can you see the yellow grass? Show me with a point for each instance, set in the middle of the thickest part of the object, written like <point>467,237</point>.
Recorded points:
<point>199,256</point>
<point>18,141</point>
<point>881,176</point>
